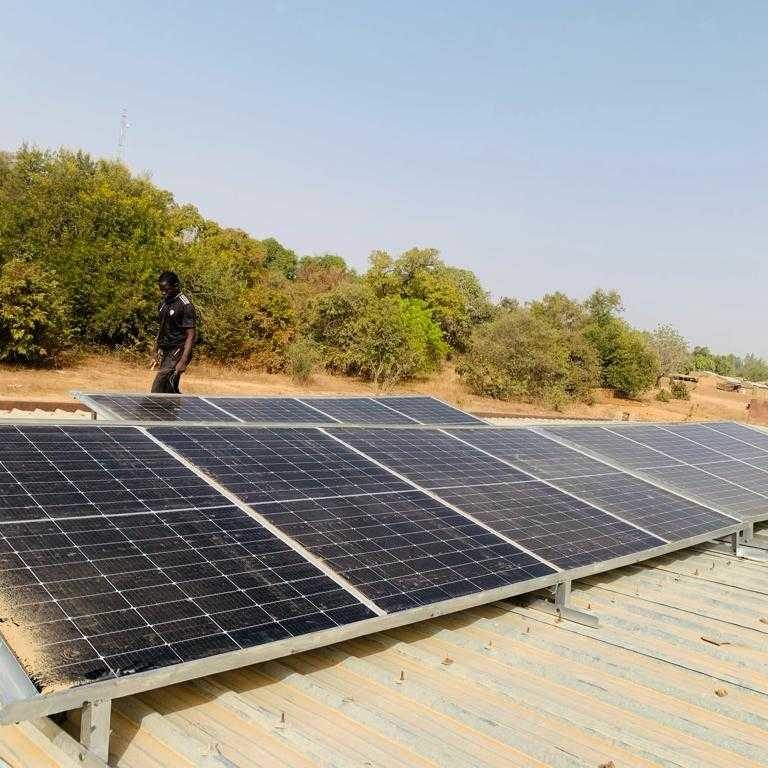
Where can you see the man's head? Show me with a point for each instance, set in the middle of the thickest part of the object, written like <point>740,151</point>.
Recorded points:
<point>169,285</point>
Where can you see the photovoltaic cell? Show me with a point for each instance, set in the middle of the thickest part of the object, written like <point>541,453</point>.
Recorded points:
<point>557,527</point>
<point>534,453</point>
<point>274,409</point>
<point>403,550</point>
<point>261,464</point>
<point>636,501</point>
<point>660,439</point>
<point>714,482</point>
<point>629,454</point>
<point>730,447</point>
<point>94,598</point>
<point>358,410</point>
<point>59,471</point>
<point>740,432</point>
<point>428,410</point>
<point>158,408</point>
<point>429,458</point>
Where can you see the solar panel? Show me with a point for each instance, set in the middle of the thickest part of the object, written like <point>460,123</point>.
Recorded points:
<point>548,521</point>
<point>729,447</point>
<point>154,407</point>
<point>272,409</point>
<point>358,410</point>
<point>261,464</point>
<point>532,452</point>
<point>675,446</point>
<point>563,530</point>
<point>429,458</point>
<point>428,410</point>
<point>628,453</point>
<point>714,479</point>
<point>91,598</point>
<point>636,501</point>
<point>740,432</point>
<point>403,549</point>
<point>60,472</point>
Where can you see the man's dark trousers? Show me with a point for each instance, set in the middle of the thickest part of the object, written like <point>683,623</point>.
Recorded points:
<point>167,380</point>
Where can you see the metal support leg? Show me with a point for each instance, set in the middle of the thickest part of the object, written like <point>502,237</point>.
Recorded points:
<point>747,533</point>
<point>561,608</point>
<point>94,727</point>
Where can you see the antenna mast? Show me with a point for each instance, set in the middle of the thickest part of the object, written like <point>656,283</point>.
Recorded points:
<point>122,142</point>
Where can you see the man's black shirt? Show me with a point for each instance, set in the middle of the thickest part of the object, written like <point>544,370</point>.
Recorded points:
<point>176,315</point>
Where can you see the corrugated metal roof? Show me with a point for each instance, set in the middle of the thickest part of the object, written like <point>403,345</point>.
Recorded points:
<point>676,675</point>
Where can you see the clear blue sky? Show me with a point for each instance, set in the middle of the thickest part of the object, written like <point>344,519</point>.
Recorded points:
<point>545,145</point>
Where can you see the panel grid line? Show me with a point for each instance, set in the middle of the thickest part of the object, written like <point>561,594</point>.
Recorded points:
<point>432,495</point>
<point>556,488</point>
<point>691,466</point>
<point>640,475</point>
<point>238,502</point>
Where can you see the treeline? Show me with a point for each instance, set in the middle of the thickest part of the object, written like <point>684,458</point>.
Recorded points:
<point>83,240</point>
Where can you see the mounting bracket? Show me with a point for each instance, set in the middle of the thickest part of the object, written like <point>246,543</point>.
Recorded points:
<point>559,607</point>
<point>94,727</point>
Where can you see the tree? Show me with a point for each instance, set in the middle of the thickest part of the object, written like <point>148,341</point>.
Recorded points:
<point>627,365</point>
<point>33,315</point>
<point>381,338</point>
<point>455,296</point>
<point>671,350</point>
<point>521,354</point>
<point>280,258</point>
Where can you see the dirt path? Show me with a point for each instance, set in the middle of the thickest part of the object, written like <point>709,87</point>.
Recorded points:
<point>110,373</point>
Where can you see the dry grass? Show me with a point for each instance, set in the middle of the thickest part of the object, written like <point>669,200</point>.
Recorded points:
<point>112,373</point>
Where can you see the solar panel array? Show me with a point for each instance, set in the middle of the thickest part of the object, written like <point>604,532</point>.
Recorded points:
<point>126,559</point>
<point>290,410</point>
<point>723,465</point>
<point>125,549</point>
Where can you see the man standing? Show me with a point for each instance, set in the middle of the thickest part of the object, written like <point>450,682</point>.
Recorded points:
<point>176,336</point>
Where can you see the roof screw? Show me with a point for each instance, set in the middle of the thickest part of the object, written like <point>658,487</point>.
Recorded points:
<point>402,677</point>
<point>447,661</point>
<point>281,724</point>
<point>489,645</point>
<point>696,572</point>
<point>720,692</point>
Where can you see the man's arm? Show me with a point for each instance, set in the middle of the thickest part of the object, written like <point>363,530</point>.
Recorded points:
<point>186,353</point>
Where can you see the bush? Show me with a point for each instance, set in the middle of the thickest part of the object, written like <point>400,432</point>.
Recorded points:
<point>303,357</point>
<point>679,391</point>
<point>663,396</point>
<point>383,339</point>
<point>522,354</point>
<point>33,316</point>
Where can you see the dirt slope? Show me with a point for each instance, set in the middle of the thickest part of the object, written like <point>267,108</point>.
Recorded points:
<point>110,373</point>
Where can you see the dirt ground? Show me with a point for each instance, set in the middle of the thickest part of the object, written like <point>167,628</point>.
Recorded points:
<point>111,373</point>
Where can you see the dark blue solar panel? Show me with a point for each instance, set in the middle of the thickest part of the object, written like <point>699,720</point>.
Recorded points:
<point>358,410</point>
<point>403,550</point>
<point>429,458</point>
<point>94,598</point>
<point>272,409</point>
<point>636,501</point>
<point>157,408</point>
<point>427,410</point>
<point>261,464</point>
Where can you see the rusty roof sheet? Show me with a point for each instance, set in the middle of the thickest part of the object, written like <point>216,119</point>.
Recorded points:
<point>676,675</point>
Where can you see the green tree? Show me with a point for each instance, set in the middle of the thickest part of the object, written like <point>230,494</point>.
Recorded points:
<point>381,338</point>
<point>34,317</point>
<point>280,258</point>
<point>455,296</point>
<point>523,354</point>
<point>671,350</point>
<point>627,364</point>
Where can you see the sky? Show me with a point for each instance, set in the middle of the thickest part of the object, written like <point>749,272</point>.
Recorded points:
<point>546,146</point>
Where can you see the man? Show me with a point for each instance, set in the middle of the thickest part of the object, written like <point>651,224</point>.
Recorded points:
<point>176,336</point>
